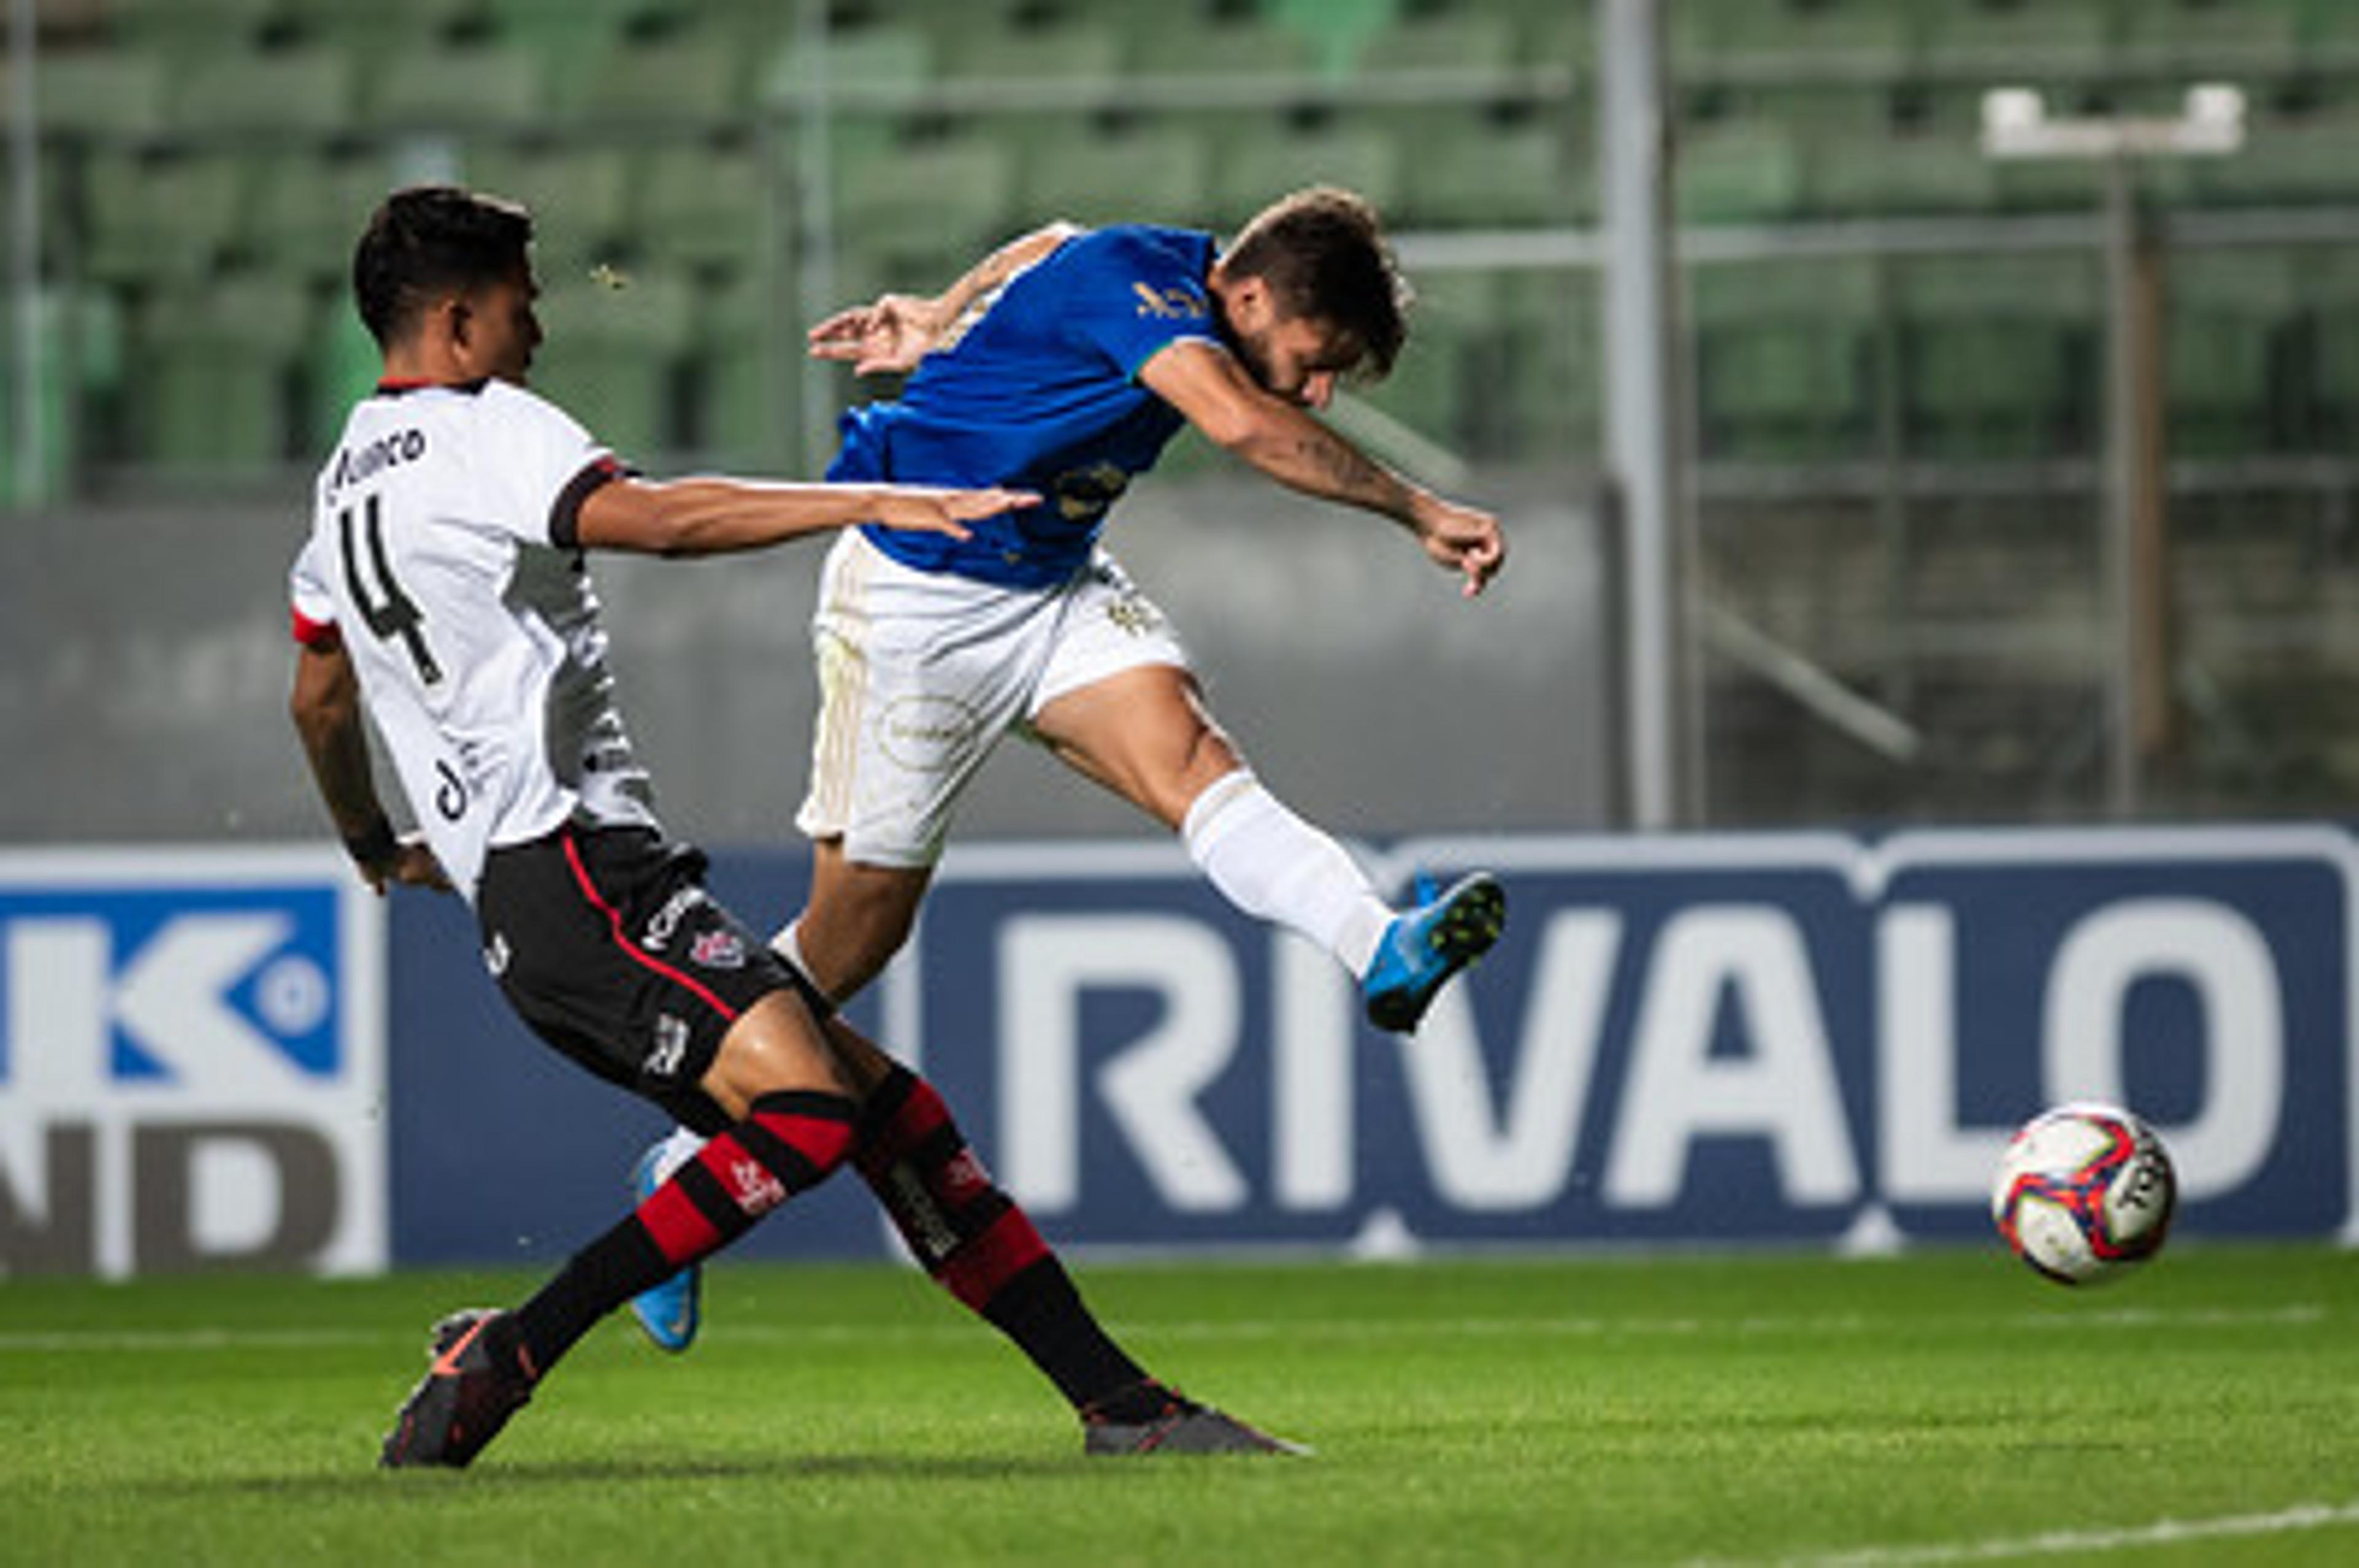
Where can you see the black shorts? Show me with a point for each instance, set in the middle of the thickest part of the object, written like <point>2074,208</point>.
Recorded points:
<point>605,941</point>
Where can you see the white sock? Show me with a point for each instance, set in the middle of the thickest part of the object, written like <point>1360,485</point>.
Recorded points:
<point>677,1151</point>
<point>788,945</point>
<point>1276,867</point>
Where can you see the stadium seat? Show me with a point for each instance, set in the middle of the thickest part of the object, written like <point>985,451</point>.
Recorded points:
<point>1470,169</point>
<point>920,212</point>
<point>1846,41</point>
<point>2000,355</point>
<point>1552,34</point>
<point>1784,351</point>
<point>215,390</point>
<point>58,321</point>
<point>881,66</point>
<point>1460,42</point>
<point>2061,38</point>
<point>744,414</point>
<point>1454,325</point>
<point>1851,176</point>
<point>187,29</point>
<point>2245,40</point>
<point>2329,29</point>
<point>375,35</point>
<point>579,193</point>
<point>1537,393</point>
<point>1178,41</point>
<point>1160,172</point>
<point>2234,317</point>
<point>306,207</point>
<point>1337,31</point>
<point>575,42</point>
<point>707,203</point>
<point>614,359</point>
<point>2284,162</point>
<point>1266,159</point>
<point>159,215</point>
<point>692,78</point>
<point>1075,50</point>
<point>2329,284</point>
<point>1737,171</point>
<point>457,89</point>
<point>563,25</point>
<point>118,93</point>
<point>1811,108</point>
<point>307,92</point>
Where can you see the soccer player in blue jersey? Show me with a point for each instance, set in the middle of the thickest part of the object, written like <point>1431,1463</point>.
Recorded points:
<point>1062,364</point>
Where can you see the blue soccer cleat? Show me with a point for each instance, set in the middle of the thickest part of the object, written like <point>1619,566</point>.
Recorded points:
<point>667,1313</point>
<point>1421,949</point>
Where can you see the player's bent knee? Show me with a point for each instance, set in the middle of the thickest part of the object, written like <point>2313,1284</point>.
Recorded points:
<point>777,1047</point>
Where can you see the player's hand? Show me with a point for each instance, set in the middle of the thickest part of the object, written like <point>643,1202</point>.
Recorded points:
<point>885,338</point>
<point>1462,540</point>
<point>933,510</point>
<point>413,865</point>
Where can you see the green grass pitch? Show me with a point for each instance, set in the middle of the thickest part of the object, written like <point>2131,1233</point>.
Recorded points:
<point>1944,1407</point>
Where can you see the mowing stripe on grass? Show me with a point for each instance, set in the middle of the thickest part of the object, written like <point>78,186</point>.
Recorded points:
<point>2300,1315</point>
<point>2300,1517</point>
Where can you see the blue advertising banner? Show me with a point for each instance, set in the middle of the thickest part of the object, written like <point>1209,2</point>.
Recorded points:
<point>239,1057</point>
<point>1789,1036</point>
<point>191,1062</point>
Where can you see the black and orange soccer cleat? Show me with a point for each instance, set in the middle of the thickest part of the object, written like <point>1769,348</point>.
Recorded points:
<point>476,1382</point>
<point>1153,1418</point>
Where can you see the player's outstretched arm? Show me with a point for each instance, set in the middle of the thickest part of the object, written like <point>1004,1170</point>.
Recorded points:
<point>891,334</point>
<point>709,516</point>
<point>1206,384</point>
<point>326,707</point>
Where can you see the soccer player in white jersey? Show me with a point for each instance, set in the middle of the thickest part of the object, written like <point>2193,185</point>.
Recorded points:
<point>441,596</point>
<point>1063,364</point>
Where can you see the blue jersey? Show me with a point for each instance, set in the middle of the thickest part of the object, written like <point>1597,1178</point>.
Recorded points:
<point>1041,392</point>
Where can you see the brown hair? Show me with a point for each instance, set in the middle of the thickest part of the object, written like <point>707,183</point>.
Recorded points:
<point>1322,252</point>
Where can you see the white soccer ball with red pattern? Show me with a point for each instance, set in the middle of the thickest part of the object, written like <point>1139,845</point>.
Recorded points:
<point>2084,1192</point>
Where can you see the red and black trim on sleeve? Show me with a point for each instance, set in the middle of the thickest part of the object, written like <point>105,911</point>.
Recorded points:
<point>565,512</point>
<point>320,636</point>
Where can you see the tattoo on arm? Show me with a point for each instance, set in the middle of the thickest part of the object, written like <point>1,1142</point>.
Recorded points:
<point>1334,467</point>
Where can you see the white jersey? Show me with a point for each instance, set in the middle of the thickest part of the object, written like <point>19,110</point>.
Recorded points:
<point>442,551</point>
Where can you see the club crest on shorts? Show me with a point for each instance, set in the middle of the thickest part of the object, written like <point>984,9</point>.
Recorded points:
<point>718,950</point>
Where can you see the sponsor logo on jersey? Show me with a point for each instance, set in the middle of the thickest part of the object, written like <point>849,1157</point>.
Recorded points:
<point>1169,304</point>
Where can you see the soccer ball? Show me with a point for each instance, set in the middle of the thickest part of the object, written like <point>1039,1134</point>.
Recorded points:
<point>2084,1192</point>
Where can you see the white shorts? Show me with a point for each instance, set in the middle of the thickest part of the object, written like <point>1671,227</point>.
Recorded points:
<point>921,672</point>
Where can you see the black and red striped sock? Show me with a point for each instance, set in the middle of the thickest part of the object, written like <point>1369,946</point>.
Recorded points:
<point>971,1236</point>
<point>790,1142</point>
